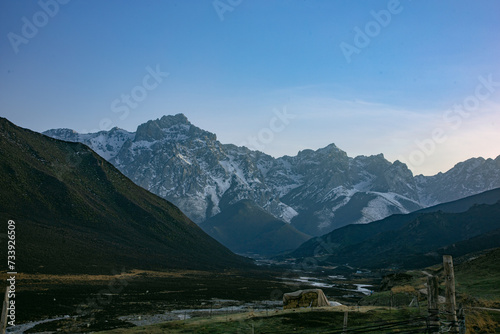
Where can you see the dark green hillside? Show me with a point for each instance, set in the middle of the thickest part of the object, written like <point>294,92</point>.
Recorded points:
<point>75,212</point>
<point>357,233</point>
<point>246,228</point>
<point>479,276</point>
<point>484,241</point>
<point>415,244</point>
<point>413,240</point>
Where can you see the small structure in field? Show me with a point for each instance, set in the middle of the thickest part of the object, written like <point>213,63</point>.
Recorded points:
<point>305,298</point>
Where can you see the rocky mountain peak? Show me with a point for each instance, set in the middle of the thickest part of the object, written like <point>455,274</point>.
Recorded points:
<point>332,151</point>
<point>173,128</point>
<point>170,120</point>
<point>64,134</point>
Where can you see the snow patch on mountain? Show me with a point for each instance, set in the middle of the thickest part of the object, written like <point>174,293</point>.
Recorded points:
<point>287,213</point>
<point>233,168</point>
<point>379,208</point>
<point>105,143</point>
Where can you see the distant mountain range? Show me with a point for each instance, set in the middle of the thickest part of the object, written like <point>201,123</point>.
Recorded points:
<point>413,240</point>
<point>76,213</point>
<point>316,191</point>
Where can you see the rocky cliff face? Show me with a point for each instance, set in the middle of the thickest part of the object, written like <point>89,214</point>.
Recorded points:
<point>316,191</point>
<point>188,166</point>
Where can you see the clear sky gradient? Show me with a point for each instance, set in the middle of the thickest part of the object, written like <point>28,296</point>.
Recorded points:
<point>416,80</point>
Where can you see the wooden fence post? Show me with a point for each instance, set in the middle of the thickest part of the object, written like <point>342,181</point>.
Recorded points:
<point>432,303</point>
<point>3,319</point>
<point>461,319</point>
<point>451,308</point>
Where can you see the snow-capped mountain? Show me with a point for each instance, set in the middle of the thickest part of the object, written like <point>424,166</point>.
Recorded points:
<point>316,191</point>
<point>105,143</point>
<point>464,179</point>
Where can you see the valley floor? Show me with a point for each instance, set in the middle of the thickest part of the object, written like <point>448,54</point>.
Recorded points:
<point>91,303</point>
<point>189,301</point>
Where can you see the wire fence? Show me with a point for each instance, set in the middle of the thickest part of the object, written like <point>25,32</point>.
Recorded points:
<point>414,325</point>
<point>434,322</point>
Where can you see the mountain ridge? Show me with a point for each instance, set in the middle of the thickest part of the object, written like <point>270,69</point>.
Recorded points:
<point>316,191</point>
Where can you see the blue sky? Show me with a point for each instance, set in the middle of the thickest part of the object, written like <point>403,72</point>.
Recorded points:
<point>234,64</point>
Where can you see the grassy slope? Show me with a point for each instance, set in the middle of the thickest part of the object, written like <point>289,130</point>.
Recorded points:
<point>480,277</point>
<point>75,212</point>
<point>321,320</point>
<point>477,282</point>
<point>477,279</point>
